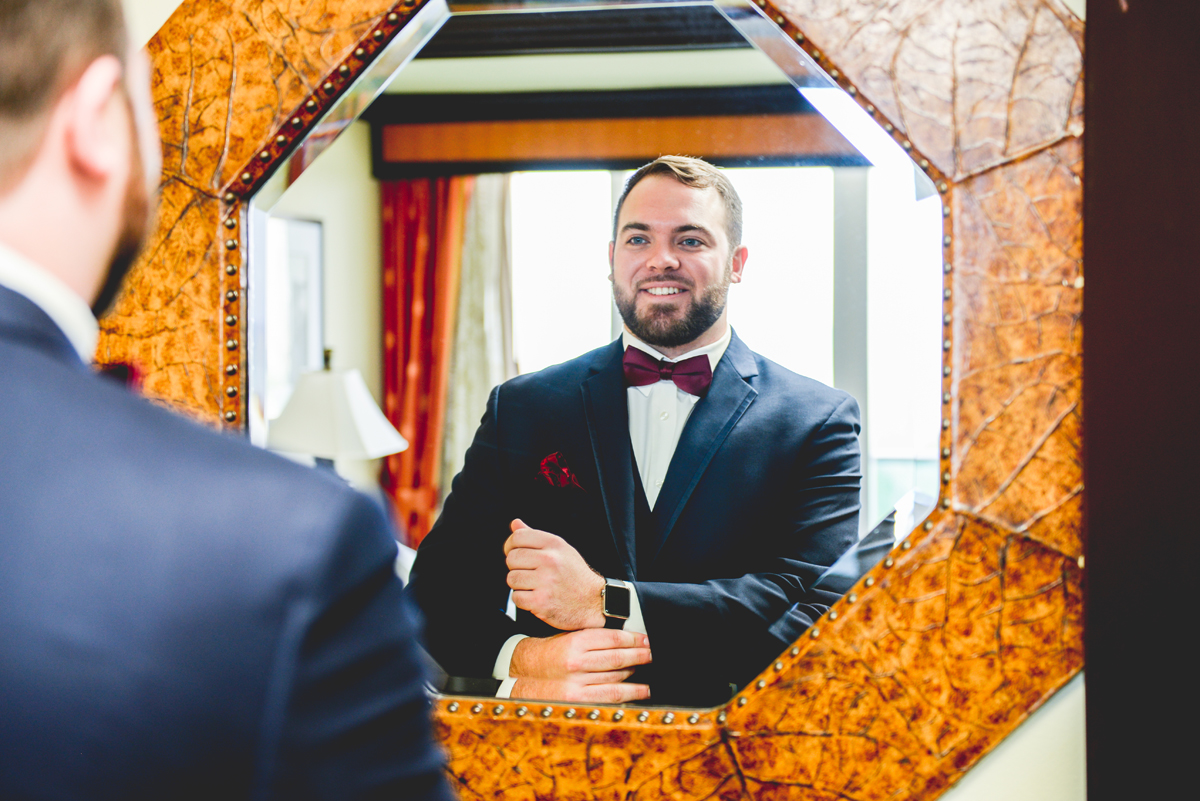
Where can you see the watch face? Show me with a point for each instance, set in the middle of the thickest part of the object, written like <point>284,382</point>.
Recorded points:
<point>616,600</point>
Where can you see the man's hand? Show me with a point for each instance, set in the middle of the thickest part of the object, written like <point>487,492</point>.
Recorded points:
<point>549,578</point>
<point>589,665</point>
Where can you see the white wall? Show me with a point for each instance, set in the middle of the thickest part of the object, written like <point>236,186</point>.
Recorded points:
<point>145,17</point>
<point>1041,761</point>
<point>338,190</point>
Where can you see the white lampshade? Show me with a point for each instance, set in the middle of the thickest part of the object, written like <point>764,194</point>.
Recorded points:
<point>332,415</point>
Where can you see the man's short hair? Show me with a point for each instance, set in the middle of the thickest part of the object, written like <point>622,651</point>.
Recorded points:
<point>45,45</point>
<point>698,174</point>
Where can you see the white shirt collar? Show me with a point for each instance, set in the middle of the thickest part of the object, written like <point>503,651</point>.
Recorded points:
<point>60,303</point>
<point>713,351</point>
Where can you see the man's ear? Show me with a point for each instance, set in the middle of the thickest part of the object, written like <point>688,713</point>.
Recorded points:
<point>96,129</point>
<point>612,246</point>
<point>738,263</point>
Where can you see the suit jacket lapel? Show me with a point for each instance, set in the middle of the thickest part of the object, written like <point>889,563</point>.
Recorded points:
<point>711,420</point>
<point>607,414</point>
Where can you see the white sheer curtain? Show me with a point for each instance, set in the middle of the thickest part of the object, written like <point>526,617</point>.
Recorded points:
<point>481,355</point>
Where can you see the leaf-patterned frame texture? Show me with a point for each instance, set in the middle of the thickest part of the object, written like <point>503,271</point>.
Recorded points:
<point>948,644</point>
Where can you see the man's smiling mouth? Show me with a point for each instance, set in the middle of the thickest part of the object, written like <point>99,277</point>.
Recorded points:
<point>663,290</point>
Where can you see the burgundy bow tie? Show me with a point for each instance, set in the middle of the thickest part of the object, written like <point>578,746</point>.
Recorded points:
<point>692,375</point>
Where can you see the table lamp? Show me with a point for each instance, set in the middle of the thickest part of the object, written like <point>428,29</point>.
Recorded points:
<point>331,415</point>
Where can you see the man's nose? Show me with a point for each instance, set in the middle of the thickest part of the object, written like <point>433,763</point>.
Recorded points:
<point>662,257</point>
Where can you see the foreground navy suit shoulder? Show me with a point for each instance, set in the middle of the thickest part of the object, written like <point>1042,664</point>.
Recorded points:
<point>183,615</point>
<point>761,497</point>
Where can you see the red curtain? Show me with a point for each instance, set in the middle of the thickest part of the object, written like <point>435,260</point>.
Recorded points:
<point>422,255</point>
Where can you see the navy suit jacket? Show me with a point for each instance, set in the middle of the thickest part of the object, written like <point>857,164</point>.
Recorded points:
<point>183,615</point>
<point>761,496</point>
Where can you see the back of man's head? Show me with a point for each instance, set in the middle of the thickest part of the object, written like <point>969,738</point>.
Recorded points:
<point>45,45</point>
<point>698,174</point>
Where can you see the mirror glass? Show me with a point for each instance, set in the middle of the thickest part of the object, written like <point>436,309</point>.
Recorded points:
<point>843,281</point>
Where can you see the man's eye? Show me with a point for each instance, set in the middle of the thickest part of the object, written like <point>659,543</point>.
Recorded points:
<point>637,240</point>
<point>691,242</point>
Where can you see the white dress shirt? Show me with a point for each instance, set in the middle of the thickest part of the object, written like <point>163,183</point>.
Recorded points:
<point>48,292</point>
<point>657,415</point>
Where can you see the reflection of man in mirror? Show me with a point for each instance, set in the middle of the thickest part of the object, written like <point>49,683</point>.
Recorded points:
<point>659,507</point>
<point>182,615</point>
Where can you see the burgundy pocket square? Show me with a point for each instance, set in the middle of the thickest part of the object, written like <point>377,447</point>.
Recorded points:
<point>554,471</point>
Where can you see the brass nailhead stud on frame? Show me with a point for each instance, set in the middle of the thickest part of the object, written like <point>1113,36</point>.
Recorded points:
<point>742,701</point>
<point>833,615</point>
<point>378,34</point>
<point>230,222</point>
<point>799,36</point>
<point>452,706</point>
<point>246,177</point>
<point>870,582</point>
<point>945,503</point>
<point>693,718</point>
<point>231,269</point>
<point>643,717</point>
<point>297,122</point>
<point>794,651</point>
<point>230,197</point>
<point>231,369</point>
<point>281,140</point>
<point>231,244</point>
<point>547,711</point>
<point>888,562</point>
<point>359,52</point>
<point>594,714</point>
<point>942,186</point>
<point>230,416</point>
<point>343,70</point>
<point>669,717</point>
<point>393,17</point>
<point>721,716</point>
<point>498,709</point>
<point>570,713</point>
<point>231,295</point>
<point>265,155</point>
<point>618,716</point>
<point>477,709</point>
<point>946,423</point>
<point>522,711</point>
<point>760,683</point>
<point>906,545</point>
<point>311,105</point>
<point>231,344</point>
<point>928,526</point>
<point>852,598</point>
<point>231,319</point>
<point>328,87</point>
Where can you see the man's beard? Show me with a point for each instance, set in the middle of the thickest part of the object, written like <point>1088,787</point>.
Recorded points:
<point>661,327</point>
<point>135,224</point>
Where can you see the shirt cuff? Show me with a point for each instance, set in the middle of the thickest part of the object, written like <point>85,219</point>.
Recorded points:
<point>503,662</point>
<point>635,623</point>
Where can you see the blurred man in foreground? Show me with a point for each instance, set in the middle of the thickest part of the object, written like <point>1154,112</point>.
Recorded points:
<point>181,615</point>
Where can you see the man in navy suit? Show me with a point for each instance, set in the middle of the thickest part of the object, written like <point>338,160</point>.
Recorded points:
<point>181,615</point>
<point>661,507</point>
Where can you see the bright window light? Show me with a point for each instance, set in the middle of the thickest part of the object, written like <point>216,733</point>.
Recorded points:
<point>562,298</point>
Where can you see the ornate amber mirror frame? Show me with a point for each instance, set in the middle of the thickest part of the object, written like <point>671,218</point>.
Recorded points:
<point>944,648</point>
